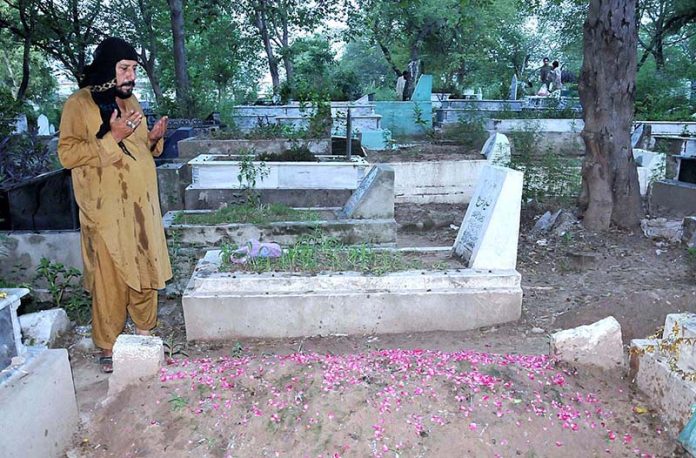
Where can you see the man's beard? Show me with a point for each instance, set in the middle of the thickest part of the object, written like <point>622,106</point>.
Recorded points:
<point>125,90</point>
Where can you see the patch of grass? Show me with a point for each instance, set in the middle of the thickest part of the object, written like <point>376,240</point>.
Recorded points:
<point>295,154</point>
<point>177,402</point>
<point>247,213</point>
<point>317,253</point>
<point>691,260</point>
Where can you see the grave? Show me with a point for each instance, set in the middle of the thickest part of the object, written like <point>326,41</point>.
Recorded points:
<point>223,305</point>
<point>37,396</point>
<point>10,329</point>
<point>452,181</point>
<point>367,217</point>
<point>663,369</point>
<point>411,117</point>
<point>678,196</point>
<point>328,182</point>
<point>193,147</point>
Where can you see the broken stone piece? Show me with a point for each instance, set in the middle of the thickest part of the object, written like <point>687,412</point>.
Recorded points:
<point>135,358</point>
<point>44,327</point>
<point>662,229</point>
<point>689,231</point>
<point>598,344</point>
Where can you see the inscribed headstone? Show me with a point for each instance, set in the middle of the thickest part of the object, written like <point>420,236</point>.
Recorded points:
<point>374,197</point>
<point>489,234</point>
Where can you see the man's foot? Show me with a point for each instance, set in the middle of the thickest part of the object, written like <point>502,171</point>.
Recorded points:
<point>106,362</point>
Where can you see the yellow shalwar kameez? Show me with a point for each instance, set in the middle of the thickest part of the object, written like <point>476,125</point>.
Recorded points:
<point>124,249</point>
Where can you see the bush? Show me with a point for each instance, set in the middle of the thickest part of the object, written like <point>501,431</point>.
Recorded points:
<point>23,156</point>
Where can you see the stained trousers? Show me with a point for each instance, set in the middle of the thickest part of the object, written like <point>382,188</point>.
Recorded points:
<point>113,300</point>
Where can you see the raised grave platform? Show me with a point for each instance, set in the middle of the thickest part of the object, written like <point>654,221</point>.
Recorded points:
<point>224,305</point>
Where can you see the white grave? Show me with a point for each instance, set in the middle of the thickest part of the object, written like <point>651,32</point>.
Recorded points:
<point>44,125</point>
<point>51,129</point>
<point>489,233</point>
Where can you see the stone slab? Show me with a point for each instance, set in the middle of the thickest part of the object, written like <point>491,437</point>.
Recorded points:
<point>671,197</point>
<point>198,198</point>
<point>671,394</point>
<point>451,182</point>
<point>172,179</point>
<point>347,231</point>
<point>38,409</point>
<point>689,231</point>
<point>497,149</point>
<point>224,305</point>
<point>44,327</point>
<point>10,328</point>
<point>136,358</point>
<point>374,197</point>
<point>190,148</point>
<point>488,236</point>
<point>222,172</point>
<point>598,345</point>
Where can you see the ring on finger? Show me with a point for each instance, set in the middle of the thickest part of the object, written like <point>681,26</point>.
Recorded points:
<point>130,124</point>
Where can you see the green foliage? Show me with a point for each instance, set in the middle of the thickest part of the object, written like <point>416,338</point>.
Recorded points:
<point>23,156</point>
<point>691,260</point>
<point>249,171</point>
<point>248,213</point>
<point>317,253</point>
<point>547,175</point>
<point>470,133</point>
<point>177,403</point>
<point>64,285</point>
<point>658,98</point>
<point>296,153</point>
<point>10,109</point>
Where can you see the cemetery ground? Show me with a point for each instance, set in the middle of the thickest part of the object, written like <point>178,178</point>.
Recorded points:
<point>490,392</point>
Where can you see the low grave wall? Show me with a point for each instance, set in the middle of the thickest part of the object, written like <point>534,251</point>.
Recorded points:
<point>447,182</point>
<point>21,252</point>
<point>192,147</point>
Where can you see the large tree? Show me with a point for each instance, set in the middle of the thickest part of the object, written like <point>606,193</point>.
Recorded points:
<point>183,86</point>
<point>610,191</point>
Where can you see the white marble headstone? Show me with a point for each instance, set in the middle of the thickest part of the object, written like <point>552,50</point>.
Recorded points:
<point>44,128</point>
<point>489,234</point>
<point>497,149</point>
<point>52,129</point>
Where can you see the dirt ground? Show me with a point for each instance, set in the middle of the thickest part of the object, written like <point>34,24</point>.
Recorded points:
<point>490,392</point>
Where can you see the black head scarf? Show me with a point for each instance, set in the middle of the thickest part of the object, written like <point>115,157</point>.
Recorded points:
<point>100,76</point>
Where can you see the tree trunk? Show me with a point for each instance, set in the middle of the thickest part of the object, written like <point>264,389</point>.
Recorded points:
<point>183,98</point>
<point>610,192</point>
<point>260,20</point>
<point>149,67</point>
<point>287,56</point>
<point>24,85</point>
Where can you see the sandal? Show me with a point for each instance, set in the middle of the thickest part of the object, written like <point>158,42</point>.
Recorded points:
<point>106,364</point>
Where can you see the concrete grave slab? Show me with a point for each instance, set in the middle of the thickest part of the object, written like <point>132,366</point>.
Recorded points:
<point>44,327</point>
<point>38,408</point>
<point>193,147</point>
<point>689,231</point>
<point>667,389</point>
<point>172,180</point>
<point>374,231</point>
<point>374,197</point>
<point>497,149</point>
<point>21,252</point>
<point>488,236</point>
<point>672,197</point>
<point>221,305</point>
<point>136,358</point>
<point>598,345</point>
<point>10,329</point>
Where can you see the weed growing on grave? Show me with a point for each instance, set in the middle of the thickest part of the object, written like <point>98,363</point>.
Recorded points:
<point>470,133</point>
<point>318,253</point>
<point>64,285</point>
<point>248,213</point>
<point>547,175</point>
<point>249,171</point>
<point>177,403</point>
